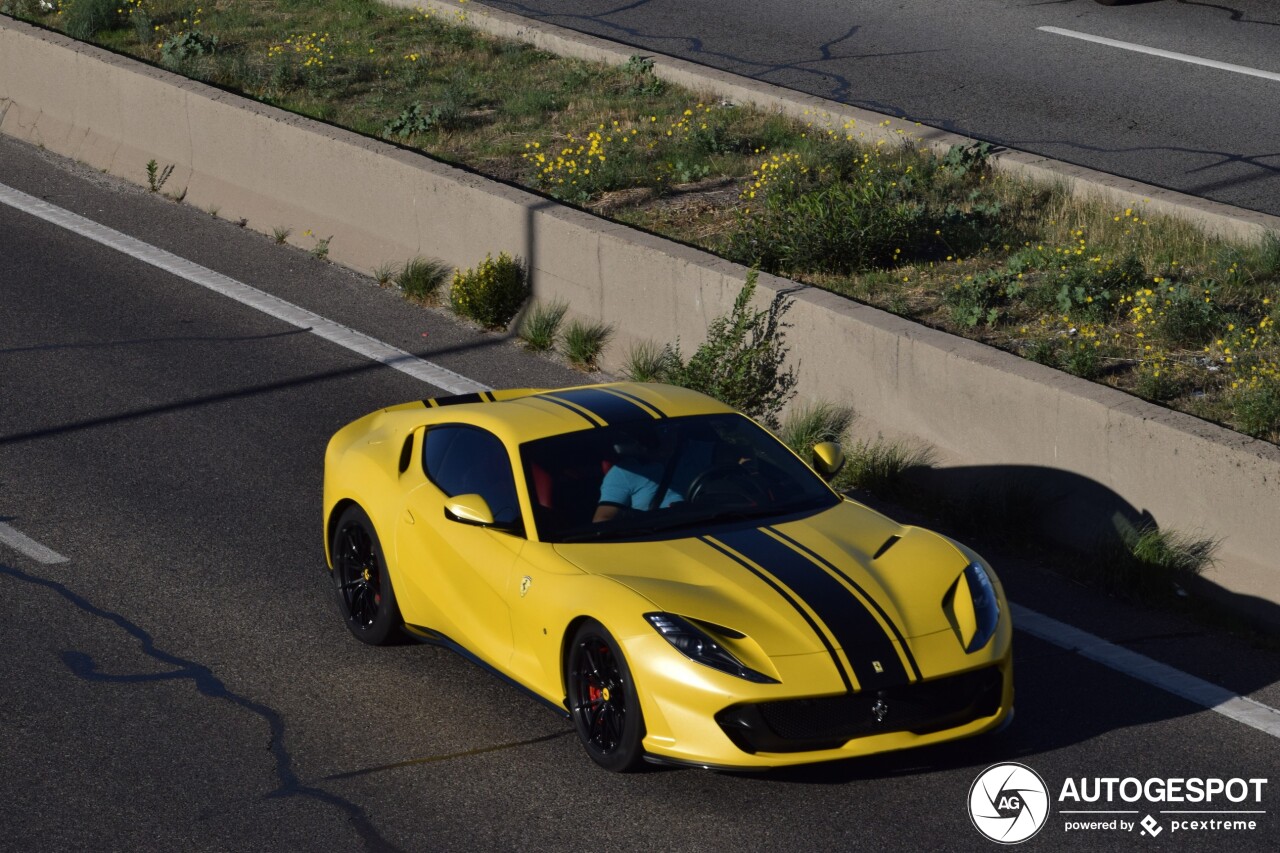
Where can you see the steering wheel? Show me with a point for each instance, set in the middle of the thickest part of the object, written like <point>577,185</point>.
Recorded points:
<point>748,489</point>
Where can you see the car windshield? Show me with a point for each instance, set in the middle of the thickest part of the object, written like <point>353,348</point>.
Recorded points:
<point>664,478</point>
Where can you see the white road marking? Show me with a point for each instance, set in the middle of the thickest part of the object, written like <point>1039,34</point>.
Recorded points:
<point>24,544</point>
<point>1252,713</point>
<point>337,333</point>
<point>1219,699</point>
<point>1166,54</point>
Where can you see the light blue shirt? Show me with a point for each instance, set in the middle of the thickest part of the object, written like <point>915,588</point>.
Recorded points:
<point>632,483</point>
<point>635,485</point>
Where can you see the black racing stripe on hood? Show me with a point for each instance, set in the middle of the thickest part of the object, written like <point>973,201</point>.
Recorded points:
<point>835,658</point>
<point>609,408</point>
<point>595,422</point>
<point>818,558</point>
<point>851,624</point>
<point>661,414</point>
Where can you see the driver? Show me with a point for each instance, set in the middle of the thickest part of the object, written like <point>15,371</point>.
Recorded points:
<point>644,457</point>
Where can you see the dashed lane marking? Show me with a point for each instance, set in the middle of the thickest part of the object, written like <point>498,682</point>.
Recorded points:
<point>23,544</point>
<point>1165,54</point>
<point>1242,709</point>
<point>343,336</point>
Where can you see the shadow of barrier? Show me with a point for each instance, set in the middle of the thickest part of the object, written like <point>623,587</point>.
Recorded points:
<point>1079,514</point>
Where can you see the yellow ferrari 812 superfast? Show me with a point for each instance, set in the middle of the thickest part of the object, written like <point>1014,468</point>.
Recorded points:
<point>663,571</point>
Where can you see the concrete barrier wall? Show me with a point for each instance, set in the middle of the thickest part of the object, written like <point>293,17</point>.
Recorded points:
<point>985,410</point>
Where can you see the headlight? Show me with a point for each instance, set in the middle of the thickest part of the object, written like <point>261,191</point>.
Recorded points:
<point>695,644</point>
<point>986,606</point>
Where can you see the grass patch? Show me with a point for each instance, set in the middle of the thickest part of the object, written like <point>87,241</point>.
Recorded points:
<point>1150,564</point>
<point>649,362</point>
<point>541,327</point>
<point>584,342</point>
<point>420,278</point>
<point>1148,304</point>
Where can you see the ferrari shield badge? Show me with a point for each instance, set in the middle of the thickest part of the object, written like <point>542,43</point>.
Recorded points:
<point>525,583</point>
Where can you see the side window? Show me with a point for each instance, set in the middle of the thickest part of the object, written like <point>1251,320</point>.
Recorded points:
<point>463,460</point>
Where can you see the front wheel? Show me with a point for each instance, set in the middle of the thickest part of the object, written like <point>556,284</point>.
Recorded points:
<point>603,700</point>
<point>365,597</point>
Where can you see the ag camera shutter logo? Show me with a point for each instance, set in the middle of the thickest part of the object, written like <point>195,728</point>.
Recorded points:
<point>1008,803</point>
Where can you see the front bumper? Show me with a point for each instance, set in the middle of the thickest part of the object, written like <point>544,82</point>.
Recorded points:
<point>694,715</point>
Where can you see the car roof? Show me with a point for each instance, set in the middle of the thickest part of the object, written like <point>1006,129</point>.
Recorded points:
<point>521,415</point>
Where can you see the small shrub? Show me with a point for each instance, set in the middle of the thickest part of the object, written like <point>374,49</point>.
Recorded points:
<point>1082,358</point>
<point>1090,291</point>
<point>29,9</point>
<point>649,362</point>
<point>583,342</point>
<point>1043,351</point>
<point>641,80</point>
<point>420,278</point>
<point>976,299</point>
<point>1257,410</point>
<point>1156,380</point>
<point>86,18</point>
<point>183,46</point>
<point>1190,314</point>
<point>280,234</point>
<point>542,326</point>
<point>741,362</point>
<point>410,121</point>
<point>491,293</point>
<point>1267,264</point>
<point>963,159</point>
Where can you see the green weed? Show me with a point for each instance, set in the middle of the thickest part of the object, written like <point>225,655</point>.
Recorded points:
<point>420,278</point>
<point>584,342</point>
<point>541,326</point>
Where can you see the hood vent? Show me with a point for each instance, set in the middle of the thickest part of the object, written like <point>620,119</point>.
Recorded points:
<point>888,543</point>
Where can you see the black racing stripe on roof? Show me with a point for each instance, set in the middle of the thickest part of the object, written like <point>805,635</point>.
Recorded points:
<point>835,658</point>
<point>455,400</point>
<point>639,400</point>
<point>577,411</point>
<point>610,408</point>
<point>851,624</point>
<point>818,558</point>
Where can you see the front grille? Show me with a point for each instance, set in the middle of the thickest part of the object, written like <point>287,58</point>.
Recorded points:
<point>801,725</point>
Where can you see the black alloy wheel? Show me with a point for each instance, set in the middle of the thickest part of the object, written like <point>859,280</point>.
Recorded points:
<point>365,597</point>
<point>602,699</point>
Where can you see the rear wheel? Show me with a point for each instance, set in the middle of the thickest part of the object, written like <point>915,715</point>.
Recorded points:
<point>364,594</point>
<point>603,701</point>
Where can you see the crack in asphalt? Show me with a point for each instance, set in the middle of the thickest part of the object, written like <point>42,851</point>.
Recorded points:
<point>83,666</point>
<point>841,87</point>
<point>433,759</point>
<point>1235,15</point>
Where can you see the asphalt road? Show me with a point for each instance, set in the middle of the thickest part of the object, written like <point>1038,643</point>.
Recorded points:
<point>182,681</point>
<point>984,68</point>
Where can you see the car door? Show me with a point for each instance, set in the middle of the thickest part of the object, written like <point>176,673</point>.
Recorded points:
<point>458,573</point>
